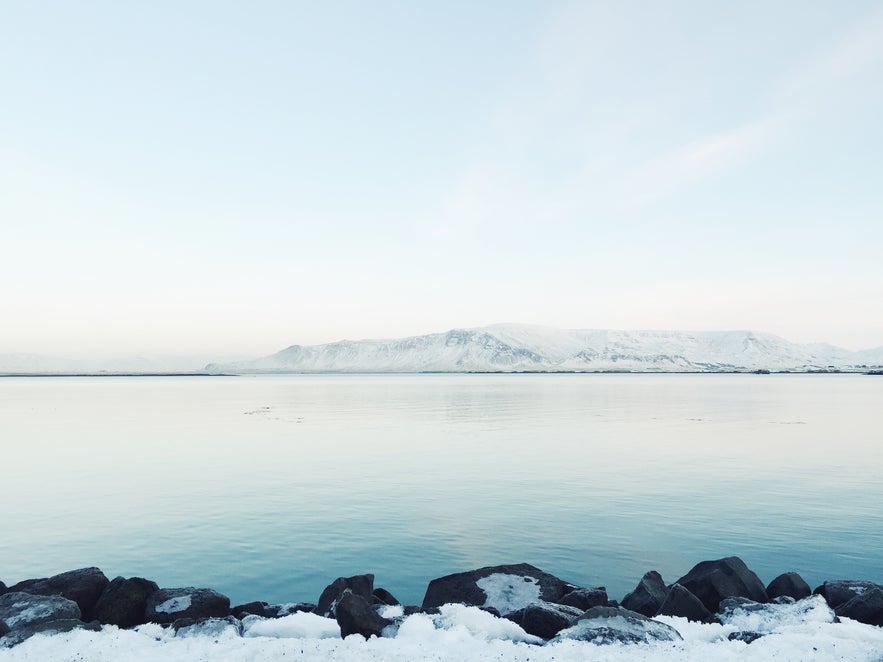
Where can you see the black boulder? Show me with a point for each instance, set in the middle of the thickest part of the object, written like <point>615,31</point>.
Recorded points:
<point>360,585</point>
<point>790,585</point>
<point>124,602</point>
<point>681,602</point>
<point>356,615</point>
<point>712,581</point>
<point>84,586</point>
<point>648,595</point>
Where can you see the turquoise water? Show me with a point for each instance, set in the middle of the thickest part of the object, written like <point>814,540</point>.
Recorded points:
<point>269,487</point>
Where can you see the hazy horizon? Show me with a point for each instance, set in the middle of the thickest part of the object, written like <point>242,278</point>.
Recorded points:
<point>228,180</point>
<point>184,361</point>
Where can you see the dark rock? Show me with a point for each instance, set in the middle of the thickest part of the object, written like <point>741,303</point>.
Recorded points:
<point>207,627</point>
<point>167,605</point>
<point>361,585</point>
<point>124,602</point>
<point>255,608</point>
<point>648,595</point>
<point>783,600</point>
<point>607,625</point>
<point>729,605</point>
<point>24,609</point>
<point>355,615</point>
<point>586,598</point>
<point>414,609</point>
<point>745,636</point>
<point>3,588</point>
<point>48,627</point>
<point>612,603</point>
<point>525,584</point>
<point>789,584</point>
<point>545,619</point>
<point>83,586</point>
<point>866,607</point>
<point>493,611</point>
<point>384,597</point>
<point>712,581</point>
<point>680,602</point>
<point>3,628</point>
<point>840,591</point>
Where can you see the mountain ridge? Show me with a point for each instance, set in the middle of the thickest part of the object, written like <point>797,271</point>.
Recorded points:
<point>531,348</point>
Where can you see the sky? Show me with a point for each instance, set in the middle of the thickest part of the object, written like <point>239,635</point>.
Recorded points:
<point>228,179</point>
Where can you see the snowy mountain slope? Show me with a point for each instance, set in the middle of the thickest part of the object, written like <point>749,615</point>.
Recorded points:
<point>518,347</point>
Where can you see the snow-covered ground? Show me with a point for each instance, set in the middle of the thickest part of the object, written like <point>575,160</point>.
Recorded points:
<point>800,632</point>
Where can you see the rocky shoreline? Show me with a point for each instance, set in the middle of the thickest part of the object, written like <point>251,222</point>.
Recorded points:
<point>545,608</point>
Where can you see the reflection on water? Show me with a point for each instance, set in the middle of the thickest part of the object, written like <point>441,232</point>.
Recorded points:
<point>268,487</point>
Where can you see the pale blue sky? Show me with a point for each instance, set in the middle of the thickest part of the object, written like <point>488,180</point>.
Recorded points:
<point>231,178</point>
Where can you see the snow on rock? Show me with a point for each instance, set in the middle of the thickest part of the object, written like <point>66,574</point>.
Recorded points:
<point>507,593</point>
<point>608,625</point>
<point>20,609</point>
<point>170,604</point>
<point>174,605</point>
<point>392,611</point>
<point>766,618</point>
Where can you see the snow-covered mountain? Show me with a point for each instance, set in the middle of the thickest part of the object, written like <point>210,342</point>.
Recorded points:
<point>518,347</point>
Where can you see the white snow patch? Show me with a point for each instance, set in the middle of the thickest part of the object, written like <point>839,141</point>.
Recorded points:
<point>174,605</point>
<point>300,625</point>
<point>392,611</point>
<point>507,593</point>
<point>481,624</point>
<point>773,618</point>
<point>213,628</point>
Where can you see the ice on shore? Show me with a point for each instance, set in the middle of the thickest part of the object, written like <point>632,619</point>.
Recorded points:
<point>804,631</point>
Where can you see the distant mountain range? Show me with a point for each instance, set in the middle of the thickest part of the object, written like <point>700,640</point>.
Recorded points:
<point>17,364</point>
<point>525,348</point>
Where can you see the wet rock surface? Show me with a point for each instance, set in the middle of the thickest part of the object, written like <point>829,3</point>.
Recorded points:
<point>866,607</point>
<point>586,598</point>
<point>680,602</point>
<point>124,602</point>
<point>648,595</point>
<point>463,587</point>
<point>545,619</point>
<point>713,581</point>
<point>360,585</point>
<point>356,615</point>
<point>20,609</point>
<point>167,605</point>
<point>84,586</point>
<point>790,585</point>
<point>24,633</point>
<point>839,591</point>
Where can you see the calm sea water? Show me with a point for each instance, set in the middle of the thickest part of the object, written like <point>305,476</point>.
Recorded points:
<point>269,487</point>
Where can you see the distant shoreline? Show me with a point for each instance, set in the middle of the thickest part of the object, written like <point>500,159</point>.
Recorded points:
<point>117,374</point>
<point>443,372</point>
